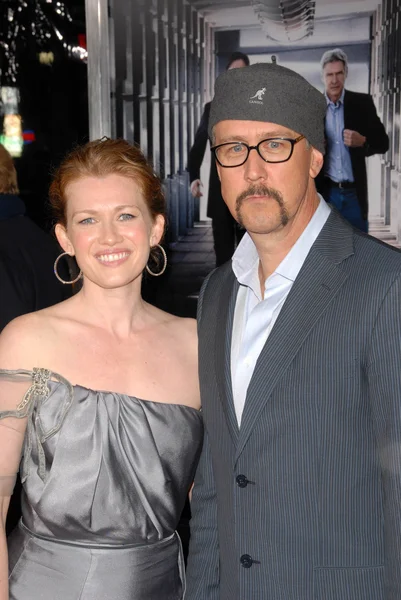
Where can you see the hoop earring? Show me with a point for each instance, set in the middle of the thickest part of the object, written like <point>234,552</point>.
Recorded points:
<point>58,276</point>
<point>165,262</point>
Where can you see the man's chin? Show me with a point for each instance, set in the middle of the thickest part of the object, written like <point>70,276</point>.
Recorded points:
<point>261,226</point>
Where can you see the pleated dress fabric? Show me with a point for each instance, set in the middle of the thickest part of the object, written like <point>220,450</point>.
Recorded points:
<point>105,478</point>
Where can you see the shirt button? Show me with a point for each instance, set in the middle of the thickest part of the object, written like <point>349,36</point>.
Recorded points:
<point>247,361</point>
<point>246,561</point>
<point>242,481</point>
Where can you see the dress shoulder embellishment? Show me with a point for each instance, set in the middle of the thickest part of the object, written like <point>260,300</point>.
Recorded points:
<point>30,407</point>
<point>39,388</point>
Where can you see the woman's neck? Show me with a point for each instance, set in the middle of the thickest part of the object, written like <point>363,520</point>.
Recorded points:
<point>120,310</point>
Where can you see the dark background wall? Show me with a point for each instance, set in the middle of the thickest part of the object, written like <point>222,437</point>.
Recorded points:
<point>53,97</point>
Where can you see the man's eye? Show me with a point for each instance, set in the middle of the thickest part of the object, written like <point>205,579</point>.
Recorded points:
<point>237,149</point>
<point>126,217</point>
<point>273,146</point>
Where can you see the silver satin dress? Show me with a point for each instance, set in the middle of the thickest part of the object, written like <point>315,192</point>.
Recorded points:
<point>105,478</point>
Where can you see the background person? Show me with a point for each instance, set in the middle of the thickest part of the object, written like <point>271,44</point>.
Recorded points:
<point>353,132</point>
<point>27,254</point>
<point>226,233</point>
<point>298,490</point>
<point>105,473</point>
<point>27,282</point>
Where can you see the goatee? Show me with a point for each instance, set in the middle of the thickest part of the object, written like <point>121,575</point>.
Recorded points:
<point>261,190</point>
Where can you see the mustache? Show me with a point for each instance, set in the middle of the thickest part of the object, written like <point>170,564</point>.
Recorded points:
<point>260,190</point>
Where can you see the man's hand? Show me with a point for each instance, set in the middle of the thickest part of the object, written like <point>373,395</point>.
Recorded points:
<point>196,188</point>
<point>353,139</point>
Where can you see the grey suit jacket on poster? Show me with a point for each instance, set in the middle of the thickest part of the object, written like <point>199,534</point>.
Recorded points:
<point>317,513</point>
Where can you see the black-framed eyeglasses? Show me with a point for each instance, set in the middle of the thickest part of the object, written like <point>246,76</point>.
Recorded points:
<point>271,150</point>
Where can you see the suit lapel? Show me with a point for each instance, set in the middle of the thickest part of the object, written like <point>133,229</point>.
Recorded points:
<point>347,110</point>
<point>316,285</point>
<point>223,337</point>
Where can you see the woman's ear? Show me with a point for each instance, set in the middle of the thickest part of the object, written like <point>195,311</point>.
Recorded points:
<point>157,230</point>
<point>63,239</point>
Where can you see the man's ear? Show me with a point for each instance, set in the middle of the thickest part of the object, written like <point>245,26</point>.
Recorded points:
<point>63,239</point>
<point>316,163</point>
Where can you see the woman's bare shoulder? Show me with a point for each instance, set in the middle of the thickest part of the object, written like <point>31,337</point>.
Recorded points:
<point>180,331</point>
<point>187,325</point>
<point>24,338</point>
<point>182,326</point>
<point>23,325</point>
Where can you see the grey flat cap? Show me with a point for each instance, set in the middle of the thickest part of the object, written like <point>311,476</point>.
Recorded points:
<point>273,94</point>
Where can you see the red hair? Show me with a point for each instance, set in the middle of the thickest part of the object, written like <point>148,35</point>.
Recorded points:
<point>99,159</point>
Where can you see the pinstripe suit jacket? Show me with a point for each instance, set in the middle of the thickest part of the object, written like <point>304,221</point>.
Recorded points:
<point>319,510</point>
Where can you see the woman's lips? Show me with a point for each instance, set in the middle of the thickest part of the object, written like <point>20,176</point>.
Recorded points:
<point>112,259</point>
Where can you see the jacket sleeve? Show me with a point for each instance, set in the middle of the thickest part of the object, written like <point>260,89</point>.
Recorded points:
<point>384,380</point>
<point>203,560</point>
<point>377,141</point>
<point>197,151</point>
<point>17,291</point>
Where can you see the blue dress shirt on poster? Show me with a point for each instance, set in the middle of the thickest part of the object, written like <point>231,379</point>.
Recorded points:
<point>338,163</point>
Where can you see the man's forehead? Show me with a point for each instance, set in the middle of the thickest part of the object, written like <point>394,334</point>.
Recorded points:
<point>334,67</point>
<point>241,129</point>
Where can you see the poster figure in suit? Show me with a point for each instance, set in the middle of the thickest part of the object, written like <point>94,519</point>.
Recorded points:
<point>353,132</point>
<point>226,233</point>
<point>297,495</point>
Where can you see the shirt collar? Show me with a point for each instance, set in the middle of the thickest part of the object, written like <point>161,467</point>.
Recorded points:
<point>339,101</point>
<point>245,261</point>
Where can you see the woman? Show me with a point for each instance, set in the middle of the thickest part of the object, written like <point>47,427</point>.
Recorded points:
<point>105,473</point>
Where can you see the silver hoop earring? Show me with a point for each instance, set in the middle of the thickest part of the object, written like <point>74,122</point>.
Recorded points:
<point>165,262</point>
<point>58,276</point>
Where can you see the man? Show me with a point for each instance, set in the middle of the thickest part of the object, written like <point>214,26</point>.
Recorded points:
<point>225,231</point>
<point>298,491</point>
<point>353,131</point>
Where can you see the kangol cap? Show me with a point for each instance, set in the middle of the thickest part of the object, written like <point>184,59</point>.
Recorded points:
<point>273,94</point>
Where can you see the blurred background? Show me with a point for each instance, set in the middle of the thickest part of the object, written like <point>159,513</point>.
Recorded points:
<point>43,91</point>
<point>75,70</point>
<point>150,66</point>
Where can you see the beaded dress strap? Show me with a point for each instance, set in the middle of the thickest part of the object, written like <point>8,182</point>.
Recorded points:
<point>34,398</point>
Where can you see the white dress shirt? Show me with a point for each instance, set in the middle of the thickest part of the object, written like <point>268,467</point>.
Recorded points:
<point>255,316</point>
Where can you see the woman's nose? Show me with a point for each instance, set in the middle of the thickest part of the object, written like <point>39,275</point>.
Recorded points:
<point>110,233</point>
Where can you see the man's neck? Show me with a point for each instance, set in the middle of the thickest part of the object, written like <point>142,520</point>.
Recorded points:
<point>334,98</point>
<point>272,248</point>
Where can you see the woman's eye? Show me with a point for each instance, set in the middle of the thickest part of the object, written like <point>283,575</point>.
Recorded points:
<point>126,217</point>
<point>87,221</point>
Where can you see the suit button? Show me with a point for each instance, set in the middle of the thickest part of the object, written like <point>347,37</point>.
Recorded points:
<point>242,481</point>
<point>246,561</point>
